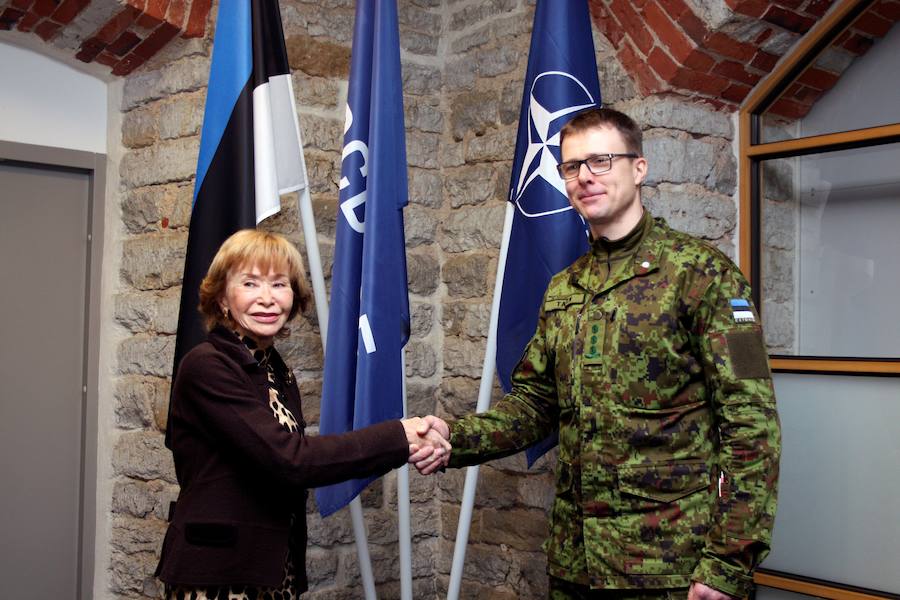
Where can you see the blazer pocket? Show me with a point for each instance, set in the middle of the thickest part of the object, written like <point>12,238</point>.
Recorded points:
<point>210,534</point>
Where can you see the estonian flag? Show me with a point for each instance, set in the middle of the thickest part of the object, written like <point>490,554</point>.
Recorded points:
<point>250,147</point>
<point>368,322</point>
<point>547,234</point>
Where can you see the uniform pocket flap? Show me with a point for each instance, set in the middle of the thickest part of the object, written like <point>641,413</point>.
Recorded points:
<point>663,482</point>
<point>561,302</point>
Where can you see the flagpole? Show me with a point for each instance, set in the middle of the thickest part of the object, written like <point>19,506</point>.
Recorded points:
<point>403,521</point>
<point>307,220</point>
<point>484,402</point>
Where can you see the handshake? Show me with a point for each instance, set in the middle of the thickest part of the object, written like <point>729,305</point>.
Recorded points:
<point>429,445</point>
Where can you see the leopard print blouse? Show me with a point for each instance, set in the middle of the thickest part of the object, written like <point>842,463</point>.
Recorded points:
<point>288,588</point>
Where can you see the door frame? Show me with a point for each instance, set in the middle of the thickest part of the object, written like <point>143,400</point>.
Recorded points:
<point>94,166</point>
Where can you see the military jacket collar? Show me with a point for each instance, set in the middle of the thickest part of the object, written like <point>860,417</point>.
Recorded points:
<point>638,253</point>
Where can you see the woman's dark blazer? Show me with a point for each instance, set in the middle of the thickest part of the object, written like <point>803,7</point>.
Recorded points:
<point>243,475</point>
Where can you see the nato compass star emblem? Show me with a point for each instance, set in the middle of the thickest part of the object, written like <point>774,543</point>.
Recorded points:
<point>549,90</point>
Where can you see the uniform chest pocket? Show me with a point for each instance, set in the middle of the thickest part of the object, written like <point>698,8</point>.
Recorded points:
<point>562,315</point>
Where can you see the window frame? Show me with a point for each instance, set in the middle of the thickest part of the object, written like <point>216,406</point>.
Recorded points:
<point>753,153</point>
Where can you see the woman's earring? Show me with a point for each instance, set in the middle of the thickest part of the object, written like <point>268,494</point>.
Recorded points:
<point>225,311</point>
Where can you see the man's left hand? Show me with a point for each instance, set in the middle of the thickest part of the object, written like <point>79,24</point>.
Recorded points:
<point>700,591</point>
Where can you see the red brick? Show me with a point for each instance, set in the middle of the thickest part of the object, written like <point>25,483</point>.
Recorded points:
<point>157,9</point>
<point>705,83</point>
<point>699,61</point>
<point>44,8</point>
<point>872,24</point>
<point>611,30</point>
<point>90,48</point>
<point>818,8</point>
<point>105,58</point>
<point>127,65</point>
<point>68,10</point>
<point>724,45</point>
<point>818,78</point>
<point>9,17</point>
<point>47,30</point>
<point>597,8</point>
<point>28,22</point>
<point>888,9</point>
<point>633,25</point>
<point>675,8</point>
<point>751,8</point>
<point>735,71</point>
<point>148,21</point>
<point>806,95</point>
<point>857,44</point>
<point>791,4</point>
<point>763,36</point>
<point>23,4</point>
<point>662,64</point>
<point>114,27</point>
<point>694,27</point>
<point>789,108</point>
<point>123,44</point>
<point>646,81</point>
<point>679,46</point>
<point>175,14</point>
<point>138,5</point>
<point>161,36</point>
<point>788,20</point>
<point>736,92</point>
<point>196,23</point>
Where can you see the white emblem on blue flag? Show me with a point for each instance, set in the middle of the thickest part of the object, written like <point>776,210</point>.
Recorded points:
<point>540,161</point>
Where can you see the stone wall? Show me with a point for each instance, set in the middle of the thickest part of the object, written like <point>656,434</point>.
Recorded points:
<point>463,65</point>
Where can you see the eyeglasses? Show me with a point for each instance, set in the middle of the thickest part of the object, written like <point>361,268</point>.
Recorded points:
<point>596,164</point>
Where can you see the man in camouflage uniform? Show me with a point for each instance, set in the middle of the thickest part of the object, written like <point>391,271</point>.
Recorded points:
<point>649,361</point>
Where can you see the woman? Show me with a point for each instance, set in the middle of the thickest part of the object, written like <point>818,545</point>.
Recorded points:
<point>238,529</point>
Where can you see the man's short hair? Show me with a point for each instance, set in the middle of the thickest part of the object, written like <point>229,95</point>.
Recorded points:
<point>594,118</point>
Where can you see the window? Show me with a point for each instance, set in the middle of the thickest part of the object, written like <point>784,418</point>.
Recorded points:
<point>820,242</point>
<point>820,197</point>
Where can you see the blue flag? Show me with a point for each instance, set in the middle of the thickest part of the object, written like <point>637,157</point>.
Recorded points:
<point>547,234</point>
<point>368,323</point>
<point>250,147</point>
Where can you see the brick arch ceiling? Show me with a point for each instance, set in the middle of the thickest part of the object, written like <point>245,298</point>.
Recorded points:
<point>718,50</point>
<point>715,50</point>
<point>121,34</point>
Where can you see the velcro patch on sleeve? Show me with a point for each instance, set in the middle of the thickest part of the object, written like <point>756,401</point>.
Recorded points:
<point>748,354</point>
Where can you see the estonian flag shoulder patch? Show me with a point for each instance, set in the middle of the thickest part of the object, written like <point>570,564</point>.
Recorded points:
<point>741,311</point>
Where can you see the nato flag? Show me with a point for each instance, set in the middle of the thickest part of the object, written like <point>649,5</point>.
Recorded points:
<point>547,234</point>
<point>250,147</point>
<point>368,321</point>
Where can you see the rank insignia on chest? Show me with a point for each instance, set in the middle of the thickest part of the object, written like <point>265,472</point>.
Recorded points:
<point>741,311</point>
<point>593,346</point>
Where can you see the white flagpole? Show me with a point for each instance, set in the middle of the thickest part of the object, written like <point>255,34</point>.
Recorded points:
<point>403,522</point>
<point>318,282</point>
<point>484,402</point>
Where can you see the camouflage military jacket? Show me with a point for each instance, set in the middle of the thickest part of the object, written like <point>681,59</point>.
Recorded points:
<point>649,361</point>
